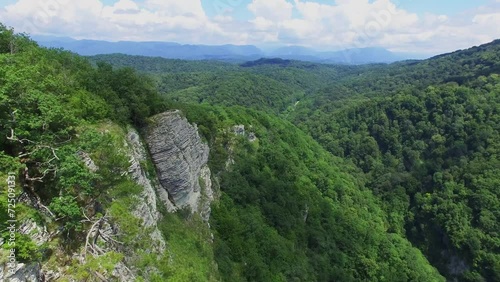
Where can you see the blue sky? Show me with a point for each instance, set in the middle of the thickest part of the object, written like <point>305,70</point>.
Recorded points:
<point>418,26</point>
<point>448,7</point>
<point>445,7</point>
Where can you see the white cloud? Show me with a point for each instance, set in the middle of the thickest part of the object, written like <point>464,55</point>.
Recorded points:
<point>275,10</point>
<point>263,24</point>
<point>341,24</point>
<point>492,19</point>
<point>344,24</point>
<point>170,20</point>
<point>34,16</point>
<point>176,7</point>
<point>364,23</point>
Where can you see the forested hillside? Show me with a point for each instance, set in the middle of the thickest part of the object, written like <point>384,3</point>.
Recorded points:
<point>423,135</point>
<point>288,210</point>
<point>322,172</point>
<point>429,149</point>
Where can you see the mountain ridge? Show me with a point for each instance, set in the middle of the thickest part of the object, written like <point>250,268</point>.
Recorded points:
<point>224,52</point>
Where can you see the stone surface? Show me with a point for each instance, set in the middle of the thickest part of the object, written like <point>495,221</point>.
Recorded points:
<point>184,180</point>
<point>27,272</point>
<point>206,192</point>
<point>146,207</point>
<point>252,137</point>
<point>240,131</point>
<point>37,233</point>
<point>51,275</point>
<point>180,158</point>
<point>24,273</point>
<point>89,163</point>
<point>123,273</point>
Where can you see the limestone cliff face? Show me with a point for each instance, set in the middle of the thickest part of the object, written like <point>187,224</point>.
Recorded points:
<point>181,159</point>
<point>146,207</point>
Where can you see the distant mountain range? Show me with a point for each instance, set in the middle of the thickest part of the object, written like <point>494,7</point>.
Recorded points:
<point>236,53</point>
<point>348,56</point>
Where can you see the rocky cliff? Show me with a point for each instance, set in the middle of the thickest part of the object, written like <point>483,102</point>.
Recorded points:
<point>181,159</point>
<point>183,180</point>
<point>146,208</point>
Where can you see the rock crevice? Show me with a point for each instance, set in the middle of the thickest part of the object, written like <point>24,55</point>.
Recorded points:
<point>146,208</point>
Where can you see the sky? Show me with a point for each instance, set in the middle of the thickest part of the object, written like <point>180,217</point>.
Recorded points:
<point>412,26</point>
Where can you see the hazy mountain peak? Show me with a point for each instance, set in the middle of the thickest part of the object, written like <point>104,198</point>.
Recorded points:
<point>226,52</point>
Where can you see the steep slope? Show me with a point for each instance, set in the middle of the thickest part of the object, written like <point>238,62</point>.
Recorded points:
<point>425,140</point>
<point>289,211</point>
<point>82,188</point>
<point>433,157</point>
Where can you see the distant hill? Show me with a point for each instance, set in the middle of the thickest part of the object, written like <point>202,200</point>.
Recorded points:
<point>229,53</point>
<point>168,50</point>
<point>355,56</point>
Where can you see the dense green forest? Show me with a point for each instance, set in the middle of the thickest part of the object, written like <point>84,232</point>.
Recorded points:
<point>423,136</point>
<point>357,173</point>
<point>289,211</point>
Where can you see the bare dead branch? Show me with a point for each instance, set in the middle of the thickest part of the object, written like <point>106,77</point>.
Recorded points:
<point>39,178</point>
<point>38,201</point>
<point>100,276</point>
<point>13,137</point>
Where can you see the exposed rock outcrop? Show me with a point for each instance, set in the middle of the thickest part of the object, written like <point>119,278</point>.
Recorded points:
<point>27,272</point>
<point>37,233</point>
<point>24,273</point>
<point>89,163</point>
<point>237,130</point>
<point>240,130</point>
<point>181,159</point>
<point>146,207</point>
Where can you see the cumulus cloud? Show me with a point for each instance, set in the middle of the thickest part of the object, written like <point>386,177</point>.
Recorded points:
<point>176,7</point>
<point>355,23</point>
<point>336,25</point>
<point>170,20</point>
<point>275,10</point>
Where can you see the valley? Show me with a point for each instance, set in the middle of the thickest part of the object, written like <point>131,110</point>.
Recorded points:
<point>132,168</point>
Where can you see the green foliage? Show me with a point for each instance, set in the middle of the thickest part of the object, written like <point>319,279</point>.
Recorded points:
<point>420,152</point>
<point>68,210</point>
<point>189,256</point>
<point>249,90</point>
<point>131,97</point>
<point>289,211</point>
<point>25,249</point>
<point>102,265</point>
